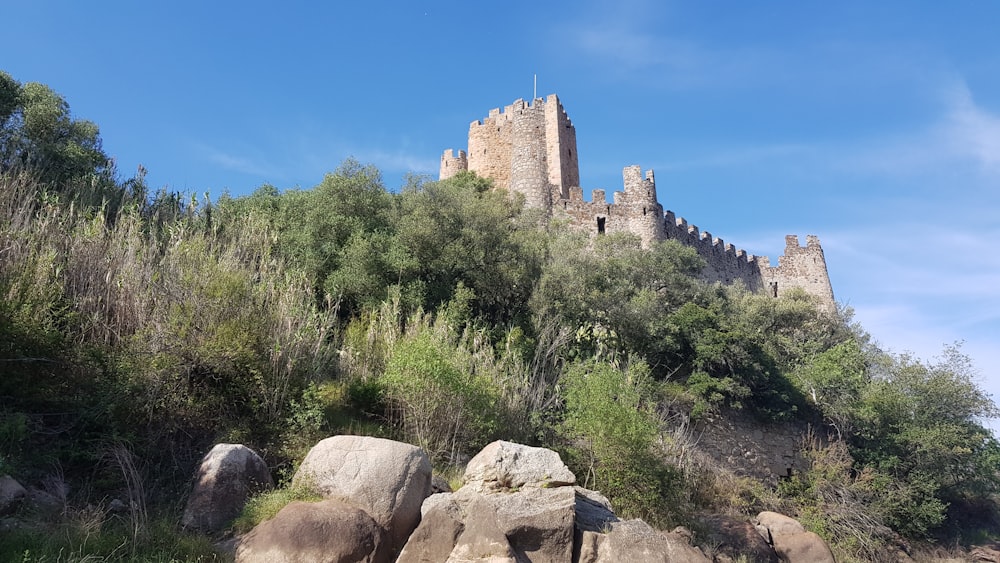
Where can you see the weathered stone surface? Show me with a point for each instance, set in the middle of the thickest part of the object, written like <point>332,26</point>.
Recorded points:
<point>778,524</point>
<point>791,541</point>
<point>803,547</point>
<point>537,522</point>
<point>12,494</point>
<point>502,466</point>
<point>441,524</point>
<point>329,531</point>
<point>482,541</point>
<point>634,540</point>
<point>593,511</point>
<point>227,476</point>
<point>388,479</point>
<point>732,538</point>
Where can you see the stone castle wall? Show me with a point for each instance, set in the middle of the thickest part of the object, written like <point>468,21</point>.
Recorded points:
<point>531,149</point>
<point>750,448</point>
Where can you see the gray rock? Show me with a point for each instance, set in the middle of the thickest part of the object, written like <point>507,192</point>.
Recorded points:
<point>228,475</point>
<point>778,524</point>
<point>329,531</point>
<point>504,466</point>
<point>441,525</point>
<point>537,522</point>
<point>634,540</point>
<point>483,540</point>
<point>791,541</point>
<point>593,511</point>
<point>733,538</point>
<point>388,479</point>
<point>803,547</point>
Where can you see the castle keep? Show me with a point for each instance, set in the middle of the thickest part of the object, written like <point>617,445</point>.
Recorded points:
<point>531,149</point>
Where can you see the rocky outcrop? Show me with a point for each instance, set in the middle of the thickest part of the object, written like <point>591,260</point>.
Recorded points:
<point>791,541</point>
<point>388,480</point>
<point>733,538</point>
<point>329,531</point>
<point>503,466</point>
<point>635,540</point>
<point>519,504</point>
<point>227,476</point>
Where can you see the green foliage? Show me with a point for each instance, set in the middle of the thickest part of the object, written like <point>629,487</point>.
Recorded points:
<point>87,536</point>
<point>611,424</point>
<point>266,505</point>
<point>457,231</point>
<point>440,406</point>
<point>918,424</point>
<point>39,136</point>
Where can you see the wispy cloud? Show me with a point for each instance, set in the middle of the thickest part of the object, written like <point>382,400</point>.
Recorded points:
<point>963,133</point>
<point>233,162</point>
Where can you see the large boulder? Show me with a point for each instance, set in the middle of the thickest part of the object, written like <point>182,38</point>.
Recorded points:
<point>791,541</point>
<point>12,494</point>
<point>504,466</point>
<point>537,525</point>
<point>330,531</point>
<point>537,522</point>
<point>388,479</point>
<point>732,538</point>
<point>803,547</point>
<point>227,476</point>
<point>441,524</point>
<point>777,524</point>
<point>634,540</point>
<point>483,540</point>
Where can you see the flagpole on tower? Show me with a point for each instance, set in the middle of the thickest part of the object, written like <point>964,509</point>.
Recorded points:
<point>535,94</point>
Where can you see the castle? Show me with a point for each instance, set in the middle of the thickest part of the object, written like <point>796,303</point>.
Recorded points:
<point>530,149</point>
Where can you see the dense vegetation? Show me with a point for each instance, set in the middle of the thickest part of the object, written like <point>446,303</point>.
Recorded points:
<point>136,330</point>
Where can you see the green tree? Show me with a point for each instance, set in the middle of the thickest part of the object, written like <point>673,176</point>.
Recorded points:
<point>612,426</point>
<point>39,135</point>
<point>918,423</point>
<point>617,295</point>
<point>461,230</point>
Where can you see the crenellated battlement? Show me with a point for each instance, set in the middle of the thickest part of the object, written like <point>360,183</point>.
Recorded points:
<point>530,149</point>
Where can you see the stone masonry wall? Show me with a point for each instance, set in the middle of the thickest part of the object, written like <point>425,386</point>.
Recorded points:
<point>750,448</point>
<point>723,262</point>
<point>800,267</point>
<point>634,210</point>
<point>560,140</point>
<point>451,164</point>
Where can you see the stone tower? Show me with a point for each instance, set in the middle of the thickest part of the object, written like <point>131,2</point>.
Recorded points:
<point>529,149</point>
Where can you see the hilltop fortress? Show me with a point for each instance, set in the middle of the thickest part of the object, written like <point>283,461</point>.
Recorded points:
<point>531,149</point>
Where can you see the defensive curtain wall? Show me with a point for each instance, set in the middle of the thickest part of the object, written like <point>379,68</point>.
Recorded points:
<point>531,149</point>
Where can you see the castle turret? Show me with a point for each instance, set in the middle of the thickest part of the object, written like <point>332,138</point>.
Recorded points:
<point>451,164</point>
<point>802,267</point>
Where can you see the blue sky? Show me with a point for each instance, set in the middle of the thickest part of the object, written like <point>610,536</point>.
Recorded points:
<point>875,126</point>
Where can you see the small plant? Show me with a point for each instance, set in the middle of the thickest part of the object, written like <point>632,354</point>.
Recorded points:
<point>266,505</point>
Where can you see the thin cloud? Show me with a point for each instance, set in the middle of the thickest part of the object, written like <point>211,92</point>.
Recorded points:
<point>235,162</point>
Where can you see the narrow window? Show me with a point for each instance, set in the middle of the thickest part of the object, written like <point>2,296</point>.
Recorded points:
<point>643,211</point>
<point>564,205</point>
<point>600,225</point>
<point>774,289</point>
